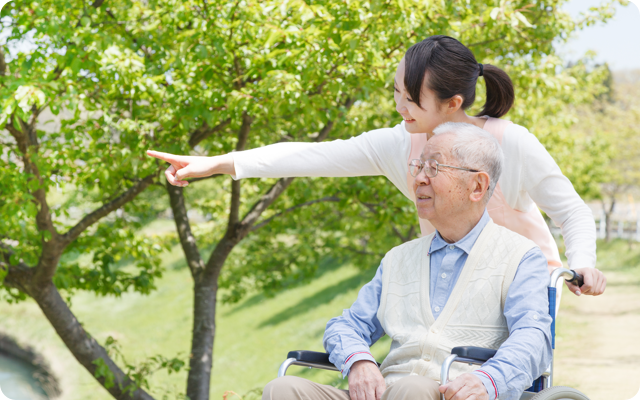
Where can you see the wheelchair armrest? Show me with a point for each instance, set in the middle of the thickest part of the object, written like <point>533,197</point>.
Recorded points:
<point>313,357</point>
<point>474,353</point>
<point>305,358</point>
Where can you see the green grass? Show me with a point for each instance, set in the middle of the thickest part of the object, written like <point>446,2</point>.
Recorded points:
<point>252,338</point>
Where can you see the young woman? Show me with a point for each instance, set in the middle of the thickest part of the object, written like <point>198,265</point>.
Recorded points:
<point>435,83</point>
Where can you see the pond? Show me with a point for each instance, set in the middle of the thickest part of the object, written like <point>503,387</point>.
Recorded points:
<point>17,380</point>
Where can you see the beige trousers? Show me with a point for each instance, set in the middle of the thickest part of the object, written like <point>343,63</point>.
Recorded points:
<point>293,388</point>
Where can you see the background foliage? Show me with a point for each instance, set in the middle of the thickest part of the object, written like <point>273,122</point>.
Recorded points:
<point>188,76</point>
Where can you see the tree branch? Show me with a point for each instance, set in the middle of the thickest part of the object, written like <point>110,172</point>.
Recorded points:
<point>3,64</point>
<point>51,249</point>
<point>192,180</point>
<point>18,275</point>
<point>107,208</point>
<point>243,134</point>
<point>187,240</point>
<point>205,131</point>
<point>279,187</point>
<point>308,203</point>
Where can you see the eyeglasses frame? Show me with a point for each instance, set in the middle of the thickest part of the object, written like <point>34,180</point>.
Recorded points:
<point>438,165</point>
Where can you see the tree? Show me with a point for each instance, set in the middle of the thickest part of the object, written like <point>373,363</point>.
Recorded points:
<point>208,77</point>
<point>613,121</point>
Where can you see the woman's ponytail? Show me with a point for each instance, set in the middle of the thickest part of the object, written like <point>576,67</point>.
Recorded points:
<point>500,94</point>
<point>453,70</point>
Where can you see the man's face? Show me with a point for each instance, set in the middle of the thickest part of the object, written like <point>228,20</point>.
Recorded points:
<point>446,196</point>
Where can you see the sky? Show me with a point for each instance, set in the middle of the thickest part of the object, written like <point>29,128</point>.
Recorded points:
<point>616,42</point>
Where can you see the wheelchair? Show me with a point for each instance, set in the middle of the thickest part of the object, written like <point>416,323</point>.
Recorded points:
<point>541,389</point>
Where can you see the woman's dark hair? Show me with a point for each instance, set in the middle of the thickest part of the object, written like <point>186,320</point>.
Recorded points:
<point>453,70</point>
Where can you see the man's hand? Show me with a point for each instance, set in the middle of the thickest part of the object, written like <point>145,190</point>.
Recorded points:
<point>183,167</point>
<point>594,282</point>
<point>365,381</point>
<point>466,386</point>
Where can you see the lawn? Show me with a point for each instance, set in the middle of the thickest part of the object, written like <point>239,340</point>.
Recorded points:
<point>253,337</point>
<point>597,345</point>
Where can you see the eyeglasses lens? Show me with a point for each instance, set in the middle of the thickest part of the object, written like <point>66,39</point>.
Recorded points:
<point>432,168</point>
<point>414,167</point>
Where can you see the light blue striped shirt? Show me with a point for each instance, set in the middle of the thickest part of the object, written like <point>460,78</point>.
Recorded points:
<point>522,357</point>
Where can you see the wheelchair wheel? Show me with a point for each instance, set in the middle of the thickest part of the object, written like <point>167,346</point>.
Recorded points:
<point>560,393</point>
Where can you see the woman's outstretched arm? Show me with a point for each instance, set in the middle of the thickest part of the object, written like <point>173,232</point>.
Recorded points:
<point>379,152</point>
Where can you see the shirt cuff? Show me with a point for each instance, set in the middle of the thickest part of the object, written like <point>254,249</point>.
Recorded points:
<point>581,261</point>
<point>488,382</point>
<point>236,167</point>
<point>357,356</point>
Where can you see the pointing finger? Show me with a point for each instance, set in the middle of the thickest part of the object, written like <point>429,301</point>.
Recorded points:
<point>171,158</point>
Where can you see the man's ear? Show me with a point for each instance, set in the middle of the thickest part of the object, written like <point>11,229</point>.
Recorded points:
<point>453,104</point>
<point>480,186</point>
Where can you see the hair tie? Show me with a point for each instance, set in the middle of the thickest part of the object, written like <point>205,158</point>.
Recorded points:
<point>481,69</point>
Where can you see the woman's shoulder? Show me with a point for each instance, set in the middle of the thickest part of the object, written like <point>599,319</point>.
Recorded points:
<point>521,138</point>
<point>523,148</point>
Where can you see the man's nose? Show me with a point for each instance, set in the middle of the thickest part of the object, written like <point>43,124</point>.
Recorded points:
<point>422,178</point>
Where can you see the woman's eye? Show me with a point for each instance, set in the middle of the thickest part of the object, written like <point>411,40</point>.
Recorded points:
<point>409,100</point>
<point>396,89</point>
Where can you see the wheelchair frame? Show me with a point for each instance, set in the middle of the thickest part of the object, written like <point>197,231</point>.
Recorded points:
<point>466,354</point>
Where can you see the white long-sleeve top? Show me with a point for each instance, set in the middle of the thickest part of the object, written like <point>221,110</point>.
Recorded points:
<point>530,175</point>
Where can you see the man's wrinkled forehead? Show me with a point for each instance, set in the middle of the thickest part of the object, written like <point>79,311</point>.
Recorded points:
<point>437,148</point>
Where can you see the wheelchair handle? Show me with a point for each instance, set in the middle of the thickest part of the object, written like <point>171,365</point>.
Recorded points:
<point>577,279</point>
<point>569,275</point>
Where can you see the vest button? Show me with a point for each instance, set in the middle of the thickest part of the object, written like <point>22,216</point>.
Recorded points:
<point>444,276</point>
<point>427,358</point>
<point>437,309</point>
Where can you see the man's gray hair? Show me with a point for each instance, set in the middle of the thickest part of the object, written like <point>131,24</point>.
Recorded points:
<point>475,148</point>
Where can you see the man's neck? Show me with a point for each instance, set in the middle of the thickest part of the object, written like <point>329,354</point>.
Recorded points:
<point>454,232</point>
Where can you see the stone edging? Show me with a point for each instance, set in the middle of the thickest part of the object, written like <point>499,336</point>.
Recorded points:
<point>43,374</point>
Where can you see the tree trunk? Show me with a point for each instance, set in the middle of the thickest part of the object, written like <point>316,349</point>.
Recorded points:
<point>206,280</point>
<point>204,327</point>
<point>204,320</point>
<point>607,219</point>
<point>83,347</point>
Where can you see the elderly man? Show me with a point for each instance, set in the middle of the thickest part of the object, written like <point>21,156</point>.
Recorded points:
<point>471,283</point>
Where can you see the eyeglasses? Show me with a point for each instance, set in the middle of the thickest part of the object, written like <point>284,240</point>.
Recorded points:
<point>415,166</point>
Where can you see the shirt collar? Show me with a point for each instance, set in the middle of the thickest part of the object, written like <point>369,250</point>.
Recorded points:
<point>466,243</point>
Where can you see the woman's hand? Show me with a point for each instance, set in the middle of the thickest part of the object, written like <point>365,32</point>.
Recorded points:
<point>594,282</point>
<point>183,167</point>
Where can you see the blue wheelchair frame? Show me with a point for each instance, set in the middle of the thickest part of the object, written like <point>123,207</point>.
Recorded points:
<point>465,354</point>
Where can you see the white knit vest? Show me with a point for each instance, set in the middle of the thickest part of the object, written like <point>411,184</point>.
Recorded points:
<point>472,316</point>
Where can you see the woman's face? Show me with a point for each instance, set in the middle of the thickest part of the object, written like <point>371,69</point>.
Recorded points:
<point>417,119</point>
